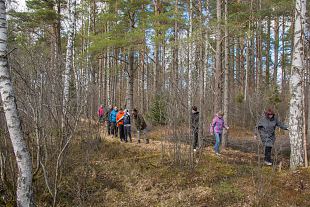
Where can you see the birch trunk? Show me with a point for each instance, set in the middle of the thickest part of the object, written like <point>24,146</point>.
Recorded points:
<point>248,67</point>
<point>191,56</point>
<point>24,194</point>
<point>296,105</point>
<point>69,57</point>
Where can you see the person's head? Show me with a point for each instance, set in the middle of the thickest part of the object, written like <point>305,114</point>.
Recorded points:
<point>121,109</point>
<point>115,108</point>
<point>269,113</point>
<point>220,114</point>
<point>194,109</point>
<point>101,106</point>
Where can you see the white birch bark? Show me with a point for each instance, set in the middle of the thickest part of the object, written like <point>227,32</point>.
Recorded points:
<point>296,116</point>
<point>190,55</point>
<point>248,67</point>
<point>69,56</point>
<point>24,194</point>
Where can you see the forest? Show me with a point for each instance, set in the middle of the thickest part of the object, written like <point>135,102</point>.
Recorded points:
<point>183,66</point>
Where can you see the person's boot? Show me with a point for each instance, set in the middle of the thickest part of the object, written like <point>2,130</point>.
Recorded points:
<point>139,141</point>
<point>268,160</point>
<point>147,141</point>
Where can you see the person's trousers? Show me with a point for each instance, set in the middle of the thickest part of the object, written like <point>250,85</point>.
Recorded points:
<point>218,140</point>
<point>127,132</point>
<point>195,138</point>
<point>114,129</point>
<point>268,154</point>
<point>121,132</point>
<point>141,135</point>
<point>109,127</point>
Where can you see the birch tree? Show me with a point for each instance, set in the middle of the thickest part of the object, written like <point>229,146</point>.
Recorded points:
<point>190,55</point>
<point>296,105</point>
<point>69,57</point>
<point>24,194</point>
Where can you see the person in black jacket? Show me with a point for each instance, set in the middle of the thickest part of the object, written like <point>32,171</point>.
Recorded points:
<point>106,117</point>
<point>140,125</point>
<point>195,126</point>
<point>127,126</point>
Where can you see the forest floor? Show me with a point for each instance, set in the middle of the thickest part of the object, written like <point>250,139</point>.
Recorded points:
<point>161,173</point>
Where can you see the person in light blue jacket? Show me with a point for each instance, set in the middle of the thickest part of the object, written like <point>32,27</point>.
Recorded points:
<point>112,119</point>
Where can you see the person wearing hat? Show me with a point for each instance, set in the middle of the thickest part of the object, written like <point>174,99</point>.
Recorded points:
<point>266,130</point>
<point>216,129</point>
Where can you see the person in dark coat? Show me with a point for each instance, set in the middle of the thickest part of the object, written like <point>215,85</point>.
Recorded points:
<point>106,117</point>
<point>195,126</point>
<point>127,126</point>
<point>140,125</point>
<point>266,130</point>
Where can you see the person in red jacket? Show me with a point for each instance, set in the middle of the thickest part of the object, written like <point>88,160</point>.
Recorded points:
<point>120,124</point>
<point>101,114</point>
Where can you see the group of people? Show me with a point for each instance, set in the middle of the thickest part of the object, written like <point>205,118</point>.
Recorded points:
<point>118,123</point>
<point>265,129</point>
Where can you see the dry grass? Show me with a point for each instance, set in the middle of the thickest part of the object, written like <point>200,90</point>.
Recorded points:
<point>109,173</point>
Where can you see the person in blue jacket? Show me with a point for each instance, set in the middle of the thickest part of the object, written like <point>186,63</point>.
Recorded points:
<point>112,119</point>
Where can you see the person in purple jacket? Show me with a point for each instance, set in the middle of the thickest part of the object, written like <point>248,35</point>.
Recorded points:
<point>216,129</point>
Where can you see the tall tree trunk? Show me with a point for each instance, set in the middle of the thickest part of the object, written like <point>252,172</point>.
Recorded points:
<point>259,50</point>
<point>175,55</point>
<point>296,105</point>
<point>191,62</point>
<point>283,59</point>
<point>69,58</point>
<point>130,80</point>
<point>248,66</point>
<point>100,79</point>
<point>143,80</point>
<point>276,50</point>
<point>226,75</point>
<point>24,194</point>
<point>218,65</point>
<point>157,9</point>
<point>238,72</point>
<point>268,51</point>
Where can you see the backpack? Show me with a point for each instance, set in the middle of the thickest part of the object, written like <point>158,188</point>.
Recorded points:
<point>126,119</point>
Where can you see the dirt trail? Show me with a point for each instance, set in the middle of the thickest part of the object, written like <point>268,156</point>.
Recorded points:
<point>244,152</point>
